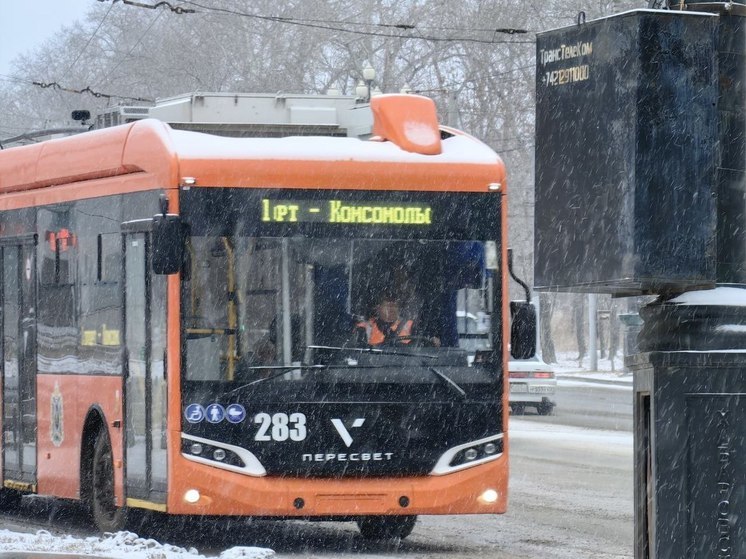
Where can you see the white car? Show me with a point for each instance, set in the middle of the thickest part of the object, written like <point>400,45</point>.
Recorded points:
<point>532,383</point>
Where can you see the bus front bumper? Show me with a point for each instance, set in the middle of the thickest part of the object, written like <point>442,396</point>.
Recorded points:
<point>198,489</point>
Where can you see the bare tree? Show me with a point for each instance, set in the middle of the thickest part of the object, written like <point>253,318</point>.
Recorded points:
<point>470,56</point>
<point>547,341</point>
<point>579,324</point>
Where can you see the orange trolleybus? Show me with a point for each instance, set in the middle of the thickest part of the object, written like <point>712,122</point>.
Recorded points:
<point>178,317</point>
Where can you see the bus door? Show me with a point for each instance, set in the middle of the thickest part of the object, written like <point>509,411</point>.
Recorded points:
<point>145,387</point>
<point>19,363</point>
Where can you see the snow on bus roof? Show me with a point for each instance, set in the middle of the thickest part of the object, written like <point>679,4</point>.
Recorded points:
<point>196,145</point>
<point>723,295</point>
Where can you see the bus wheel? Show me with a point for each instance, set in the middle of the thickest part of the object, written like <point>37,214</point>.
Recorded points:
<point>106,515</point>
<point>386,527</point>
<point>9,499</point>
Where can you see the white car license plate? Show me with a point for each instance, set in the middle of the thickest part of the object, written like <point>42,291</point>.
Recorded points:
<point>518,388</point>
<point>541,389</point>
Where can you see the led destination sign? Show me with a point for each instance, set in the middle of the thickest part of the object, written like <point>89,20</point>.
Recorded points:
<point>351,212</point>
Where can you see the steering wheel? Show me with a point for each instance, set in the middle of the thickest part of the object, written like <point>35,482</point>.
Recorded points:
<point>414,341</point>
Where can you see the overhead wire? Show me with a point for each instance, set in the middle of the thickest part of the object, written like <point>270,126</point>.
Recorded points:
<point>403,26</point>
<point>330,25</point>
<point>337,25</point>
<point>133,47</point>
<point>57,87</point>
<point>54,85</point>
<point>176,9</point>
<point>12,78</point>
<point>93,35</point>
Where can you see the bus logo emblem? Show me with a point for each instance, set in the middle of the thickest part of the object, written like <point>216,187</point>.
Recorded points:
<point>58,426</point>
<point>342,430</point>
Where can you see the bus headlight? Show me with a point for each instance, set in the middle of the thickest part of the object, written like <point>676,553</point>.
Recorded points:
<point>212,453</point>
<point>469,454</point>
<point>488,497</point>
<point>191,496</point>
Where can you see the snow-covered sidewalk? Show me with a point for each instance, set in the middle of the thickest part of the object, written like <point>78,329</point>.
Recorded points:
<point>121,545</point>
<point>568,368</point>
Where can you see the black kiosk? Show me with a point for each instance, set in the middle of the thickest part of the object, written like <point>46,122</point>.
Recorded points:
<point>641,189</point>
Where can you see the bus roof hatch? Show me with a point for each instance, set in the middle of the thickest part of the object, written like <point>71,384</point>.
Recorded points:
<point>409,121</point>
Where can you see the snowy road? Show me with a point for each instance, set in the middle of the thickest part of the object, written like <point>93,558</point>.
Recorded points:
<point>600,406</point>
<point>570,498</point>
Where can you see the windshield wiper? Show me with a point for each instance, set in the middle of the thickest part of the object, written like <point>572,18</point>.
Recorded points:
<point>448,380</point>
<point>372,350</point>
<point>284,369</point>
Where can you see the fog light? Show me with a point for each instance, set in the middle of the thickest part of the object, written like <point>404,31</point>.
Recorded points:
<point>191,496</point>
<point>490,448</point>
<point>470,454</point>
<point>196,448</point>
<point>219,454</point>
<point>489,496</point>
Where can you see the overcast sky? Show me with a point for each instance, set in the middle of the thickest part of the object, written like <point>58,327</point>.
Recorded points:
<point>26,24</point>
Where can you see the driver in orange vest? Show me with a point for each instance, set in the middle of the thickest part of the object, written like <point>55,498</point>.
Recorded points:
<point>386,326</point>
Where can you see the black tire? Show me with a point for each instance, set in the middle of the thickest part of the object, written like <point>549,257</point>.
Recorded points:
<point>518,409</point>
<point>106,515</point>
<point>10,500</point>
<point>386,527</point>
<point>545,408</point>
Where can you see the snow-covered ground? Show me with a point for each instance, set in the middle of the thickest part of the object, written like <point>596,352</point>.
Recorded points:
<point>568,367</point>
<point>121,545</point>
<point>539,436</point>
<point>587,473</point>
<point>548,459</point>
<point>593,440</point>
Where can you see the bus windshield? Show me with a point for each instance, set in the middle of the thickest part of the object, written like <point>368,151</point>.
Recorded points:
<point>253,305</point>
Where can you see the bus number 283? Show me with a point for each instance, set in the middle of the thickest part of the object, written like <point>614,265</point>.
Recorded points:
<point>280,427</point>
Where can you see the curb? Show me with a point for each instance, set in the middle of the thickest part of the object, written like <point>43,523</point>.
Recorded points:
<point>595,380</point>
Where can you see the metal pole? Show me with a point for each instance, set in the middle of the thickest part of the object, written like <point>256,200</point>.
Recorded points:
<point>310,311</point>
<point>286,330</point>
<point>537,306</point>
<point>592,331</point>
<point>452,115</point>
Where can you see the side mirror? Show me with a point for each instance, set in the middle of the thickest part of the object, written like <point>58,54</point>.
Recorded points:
<point>522,330</point>
<point>168,244</point>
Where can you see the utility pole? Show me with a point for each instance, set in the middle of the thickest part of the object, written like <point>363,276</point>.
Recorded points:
<point>592,331</point>
<point>452,117</point>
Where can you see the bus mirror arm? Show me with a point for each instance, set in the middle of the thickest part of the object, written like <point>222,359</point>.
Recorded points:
<point>168,244</point>
<point>518,280</point>
<point>522,320</point>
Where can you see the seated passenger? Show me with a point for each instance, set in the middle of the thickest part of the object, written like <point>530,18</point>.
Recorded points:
<point>267,351</point>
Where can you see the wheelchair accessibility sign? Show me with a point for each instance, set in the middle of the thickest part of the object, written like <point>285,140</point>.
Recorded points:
<point>194,413</point>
